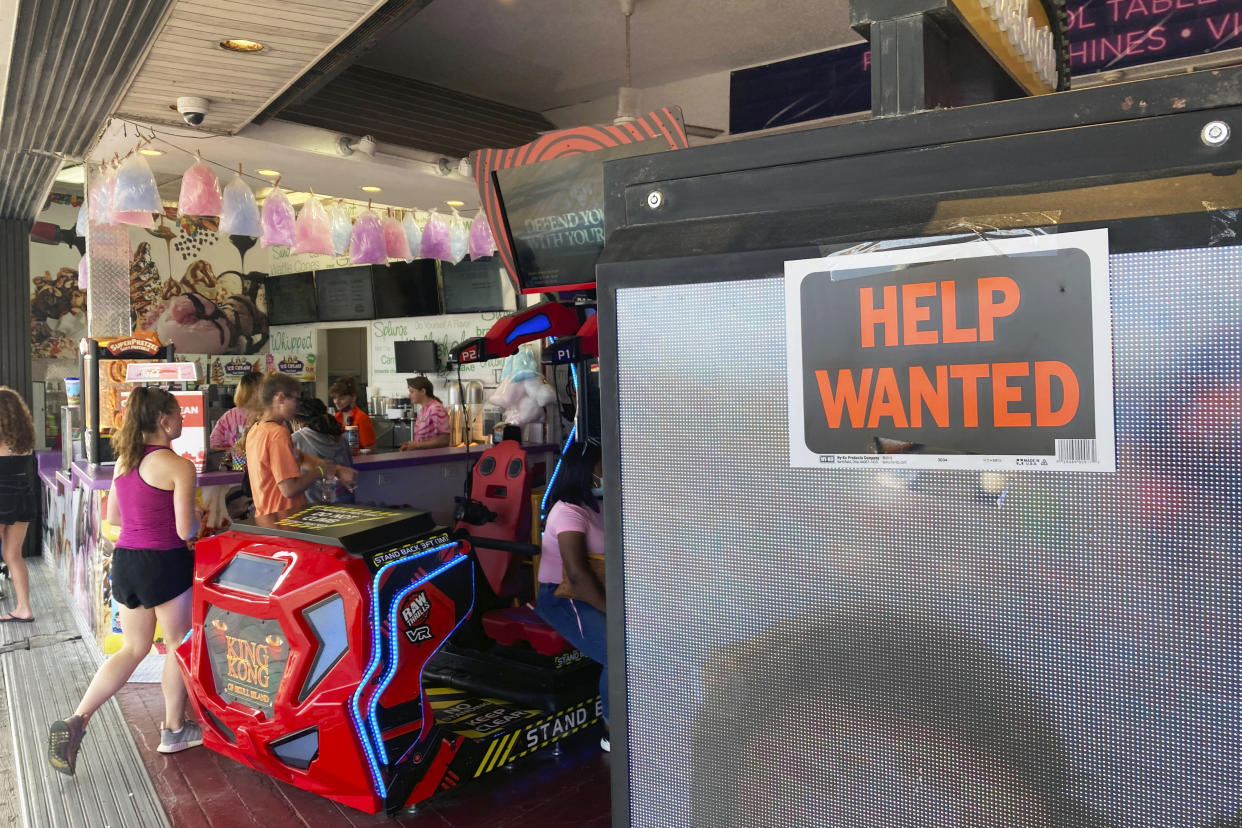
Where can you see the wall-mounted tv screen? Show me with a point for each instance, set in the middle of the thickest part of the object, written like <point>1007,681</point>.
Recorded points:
<point>416,356</point>
<point>291,299</point>
<point>406,289</point>
<point>473,286</point>
<point>345,294</point>
<point>545,201</point>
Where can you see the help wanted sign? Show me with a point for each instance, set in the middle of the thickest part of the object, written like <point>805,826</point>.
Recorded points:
<point>990,354</point>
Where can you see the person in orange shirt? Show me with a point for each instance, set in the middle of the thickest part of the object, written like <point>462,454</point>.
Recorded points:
<point>344,394</point>
<point>279,473</point>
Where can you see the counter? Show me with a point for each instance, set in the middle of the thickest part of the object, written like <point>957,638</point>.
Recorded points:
<point>81,556</point>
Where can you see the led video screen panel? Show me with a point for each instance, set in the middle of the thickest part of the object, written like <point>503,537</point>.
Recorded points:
<point>879,647</point>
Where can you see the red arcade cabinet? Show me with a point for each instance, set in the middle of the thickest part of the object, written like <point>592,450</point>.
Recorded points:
<point>306,659</point>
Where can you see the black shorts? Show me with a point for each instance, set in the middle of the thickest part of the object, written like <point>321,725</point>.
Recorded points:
<point>150,577</point>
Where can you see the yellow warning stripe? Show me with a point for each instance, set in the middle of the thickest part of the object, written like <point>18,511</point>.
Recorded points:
<point>502,756</point>
<point>490,748</point>
<point>443,691</point>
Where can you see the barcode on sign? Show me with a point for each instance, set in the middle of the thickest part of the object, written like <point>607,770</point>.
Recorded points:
<point>1076,451</point>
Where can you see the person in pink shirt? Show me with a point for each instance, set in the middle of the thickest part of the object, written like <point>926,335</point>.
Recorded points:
<point>232,424</point>
<point>431,427</point>
<point>572,534</point>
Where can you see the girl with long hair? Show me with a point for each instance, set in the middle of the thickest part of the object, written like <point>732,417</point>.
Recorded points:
<point>246,409</point>
<point>17,496</point>
<point>152,500</point>
<point>318,433</point>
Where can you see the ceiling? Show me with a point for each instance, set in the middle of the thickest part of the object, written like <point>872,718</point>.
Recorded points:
<point>546,54</point>
<point>186,58</point>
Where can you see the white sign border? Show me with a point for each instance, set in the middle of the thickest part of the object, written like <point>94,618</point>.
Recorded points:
<point>1094,243</point>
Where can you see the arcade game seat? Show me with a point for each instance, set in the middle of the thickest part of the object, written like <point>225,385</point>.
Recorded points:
<point>510,652</point>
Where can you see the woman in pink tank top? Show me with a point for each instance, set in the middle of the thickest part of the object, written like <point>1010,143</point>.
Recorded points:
<point>152,500</point>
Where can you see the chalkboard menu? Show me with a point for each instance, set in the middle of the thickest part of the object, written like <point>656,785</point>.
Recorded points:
<point>474,286</point>
<point>406,288</point>
<point>291,299</point>
<point>345,294</point>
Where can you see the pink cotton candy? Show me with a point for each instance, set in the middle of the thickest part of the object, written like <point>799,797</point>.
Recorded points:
<point>200,192</point>
<point>396,245</point>
<point>366,244</point>
<point>312,231</point>
<point>436,239</point>
<point>482,244</point>
<point>277,220</point>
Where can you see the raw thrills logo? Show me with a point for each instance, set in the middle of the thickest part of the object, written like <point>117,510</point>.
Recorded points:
<point>248,668</point>
<point>414,614</point>
<point>579,228</point>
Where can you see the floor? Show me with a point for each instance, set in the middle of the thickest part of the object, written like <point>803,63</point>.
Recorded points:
<point>45,667</point>
<point>200,788</point>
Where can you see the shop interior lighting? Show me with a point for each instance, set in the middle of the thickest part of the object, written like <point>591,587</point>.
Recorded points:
<point>455,203</point>
<point>370,188</point>
<point>241,44</point>
<point>268,173</point>
<point>150,151</point>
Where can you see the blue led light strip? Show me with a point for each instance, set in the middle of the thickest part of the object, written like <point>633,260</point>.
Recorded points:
<point>355,705</point>
<point>392,671</point>
<point>547,490</point>
<point>373,706</point>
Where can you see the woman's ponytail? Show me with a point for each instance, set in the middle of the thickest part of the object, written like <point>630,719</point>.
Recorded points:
<point>142,417</point>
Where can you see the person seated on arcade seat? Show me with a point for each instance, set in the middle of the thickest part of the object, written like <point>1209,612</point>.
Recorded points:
<point>431,427</point>
<point>344,394</point>
<point>573,535</point>
<point>277,478</point>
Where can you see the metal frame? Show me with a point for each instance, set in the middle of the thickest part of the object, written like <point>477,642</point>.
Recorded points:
<point>738,210</point>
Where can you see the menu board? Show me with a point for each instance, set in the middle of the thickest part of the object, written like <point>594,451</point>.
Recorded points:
<point>345,294</point>
<point>291,299</point>
<point>473,286</point>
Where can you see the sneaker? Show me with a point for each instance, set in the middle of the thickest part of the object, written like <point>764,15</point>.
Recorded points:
<point>63,740</point>
<point>605,745</point>
<point>174,741</point>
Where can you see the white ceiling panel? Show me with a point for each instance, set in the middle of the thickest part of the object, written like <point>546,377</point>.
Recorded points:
<point>186,59</point>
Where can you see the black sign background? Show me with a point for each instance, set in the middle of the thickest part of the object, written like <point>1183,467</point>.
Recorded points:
<point>1052,322</point>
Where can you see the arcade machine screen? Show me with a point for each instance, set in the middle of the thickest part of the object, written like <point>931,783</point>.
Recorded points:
<point>882,643</point>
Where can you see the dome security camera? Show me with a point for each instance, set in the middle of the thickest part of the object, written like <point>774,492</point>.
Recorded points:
<point>193,109</point>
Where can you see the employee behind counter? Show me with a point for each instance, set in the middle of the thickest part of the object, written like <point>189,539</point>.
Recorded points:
<point>431,425</point>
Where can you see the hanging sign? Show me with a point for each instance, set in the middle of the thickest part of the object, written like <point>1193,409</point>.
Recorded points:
<point>992,354</point>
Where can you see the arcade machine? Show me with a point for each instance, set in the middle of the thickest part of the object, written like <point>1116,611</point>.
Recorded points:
<point>511,652</point>
<point>103,367</point>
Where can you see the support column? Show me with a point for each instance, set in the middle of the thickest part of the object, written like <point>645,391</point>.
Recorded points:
<point>15,305</point>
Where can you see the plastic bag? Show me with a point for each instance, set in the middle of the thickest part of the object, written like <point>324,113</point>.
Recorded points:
<point>459,238</point>
<point>342,227</point>
<point>435,239</point>
<point>239,215</point>
<point>99,201</point>
<point>83,222</point>
<point>277,220</point>
<point>84,274</point>
<point>366,244</point>
<point>135,188</point>
<point>312,232</point>
<point>200,192</point>
<point>134,218</point>
<point>413,234</point>
<point>482,243</point>
<point>395,243</point>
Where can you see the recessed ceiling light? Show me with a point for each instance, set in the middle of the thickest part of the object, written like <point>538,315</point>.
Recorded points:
<point>240,44</point>
<point>150,151</point>
<point>455,203</point>
<point>268,173</point>
<point>370,188</point>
